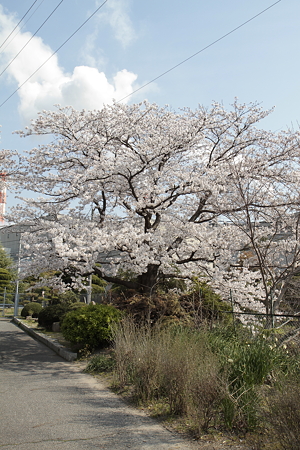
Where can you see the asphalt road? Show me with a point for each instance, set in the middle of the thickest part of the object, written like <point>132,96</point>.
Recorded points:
<point>46,403</point>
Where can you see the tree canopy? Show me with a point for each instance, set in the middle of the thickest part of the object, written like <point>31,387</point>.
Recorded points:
<point>5,261</point>
<point>145,190</point>
<point>7,272</point>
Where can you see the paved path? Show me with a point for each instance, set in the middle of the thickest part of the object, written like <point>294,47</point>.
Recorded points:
<point>47,404</point>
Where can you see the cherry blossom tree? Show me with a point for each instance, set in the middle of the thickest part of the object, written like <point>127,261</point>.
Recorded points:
<point>6,160</point>
<point>145,190</point>
<point>271,231</point>
<point>7,163</point>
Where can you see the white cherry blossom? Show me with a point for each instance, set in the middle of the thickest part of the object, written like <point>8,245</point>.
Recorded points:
<point>160,194</point>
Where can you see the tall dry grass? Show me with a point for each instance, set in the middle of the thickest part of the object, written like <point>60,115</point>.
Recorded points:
<point>211,377</point>
<point>172,364</point>
<point>284,414</point>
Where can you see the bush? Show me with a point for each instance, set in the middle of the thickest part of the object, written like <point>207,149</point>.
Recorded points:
<point>91,325</point>
<point>7,301</point>
<point>51,314</point>
<point>204,305</point>
<point>77,305</point>
<point>197,307</point>
<point>67,298</point>
<point>31,309</point>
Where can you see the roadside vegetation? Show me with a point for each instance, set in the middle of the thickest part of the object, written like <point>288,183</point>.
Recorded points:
<point>208,381</point>
<point>201,372</point>
<point>183,358</point>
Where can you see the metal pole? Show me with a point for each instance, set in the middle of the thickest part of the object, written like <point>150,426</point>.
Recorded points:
<point>272,311</point>
<point>4,298</point>
<point>232,306</point>
<point>89,290</point>
<point>16,308</point>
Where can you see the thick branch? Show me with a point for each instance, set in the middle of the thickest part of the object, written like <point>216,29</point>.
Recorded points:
<point>192,259</point>
<point>116,280</point>
<point>201,205</point>
<point>101,210</point>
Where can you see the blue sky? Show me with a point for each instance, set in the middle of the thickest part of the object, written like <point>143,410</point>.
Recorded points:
<point>130,42</point>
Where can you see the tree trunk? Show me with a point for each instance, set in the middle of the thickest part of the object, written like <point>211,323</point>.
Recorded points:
<point>147,282</point>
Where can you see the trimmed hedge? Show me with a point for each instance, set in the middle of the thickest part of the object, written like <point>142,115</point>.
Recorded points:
<point>90,326</point>
<point>51,314</point>
<point>55,313</point>
<point>31,309</point>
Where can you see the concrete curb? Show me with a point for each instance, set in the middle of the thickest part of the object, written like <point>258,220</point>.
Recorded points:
<point>49,342</point>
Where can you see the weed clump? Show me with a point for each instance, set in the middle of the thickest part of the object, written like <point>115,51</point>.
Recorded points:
<point>100,364</point>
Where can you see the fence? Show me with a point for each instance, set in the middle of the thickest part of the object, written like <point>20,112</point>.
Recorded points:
<point>286,326</point>
<point>96,298</point>
<point>7,301</point>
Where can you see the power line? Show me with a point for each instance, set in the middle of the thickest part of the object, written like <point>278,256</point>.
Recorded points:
<point>46,20</point>
<point>54,53</point>
<point>154,79</point>
<point>18,23</point>
<point>21,28</point>
<point>200,51</point>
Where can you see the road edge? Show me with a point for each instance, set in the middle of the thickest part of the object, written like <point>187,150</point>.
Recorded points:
<point>49,342</point>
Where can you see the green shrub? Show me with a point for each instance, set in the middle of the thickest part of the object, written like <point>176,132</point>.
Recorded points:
<point>91,325</point>
<point>31,309</point>
<point>7,301</point>
<point>51,314</point>
<point>68,297</point>
<point>204,305</point>
<point>77,305</point>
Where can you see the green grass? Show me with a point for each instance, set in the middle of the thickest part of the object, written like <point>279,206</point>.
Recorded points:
<point>8,312</point>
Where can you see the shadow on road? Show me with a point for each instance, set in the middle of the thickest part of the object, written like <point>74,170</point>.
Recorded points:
<point>20,352</point>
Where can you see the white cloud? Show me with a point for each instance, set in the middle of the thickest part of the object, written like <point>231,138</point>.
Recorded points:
<point>90,53</point>
<point>116,16</point>
<point>89,86</point>
<point>119,20</point>
<point>86,87</point>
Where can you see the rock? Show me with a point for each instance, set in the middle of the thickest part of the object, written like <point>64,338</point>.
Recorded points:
<point>55,326</point>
